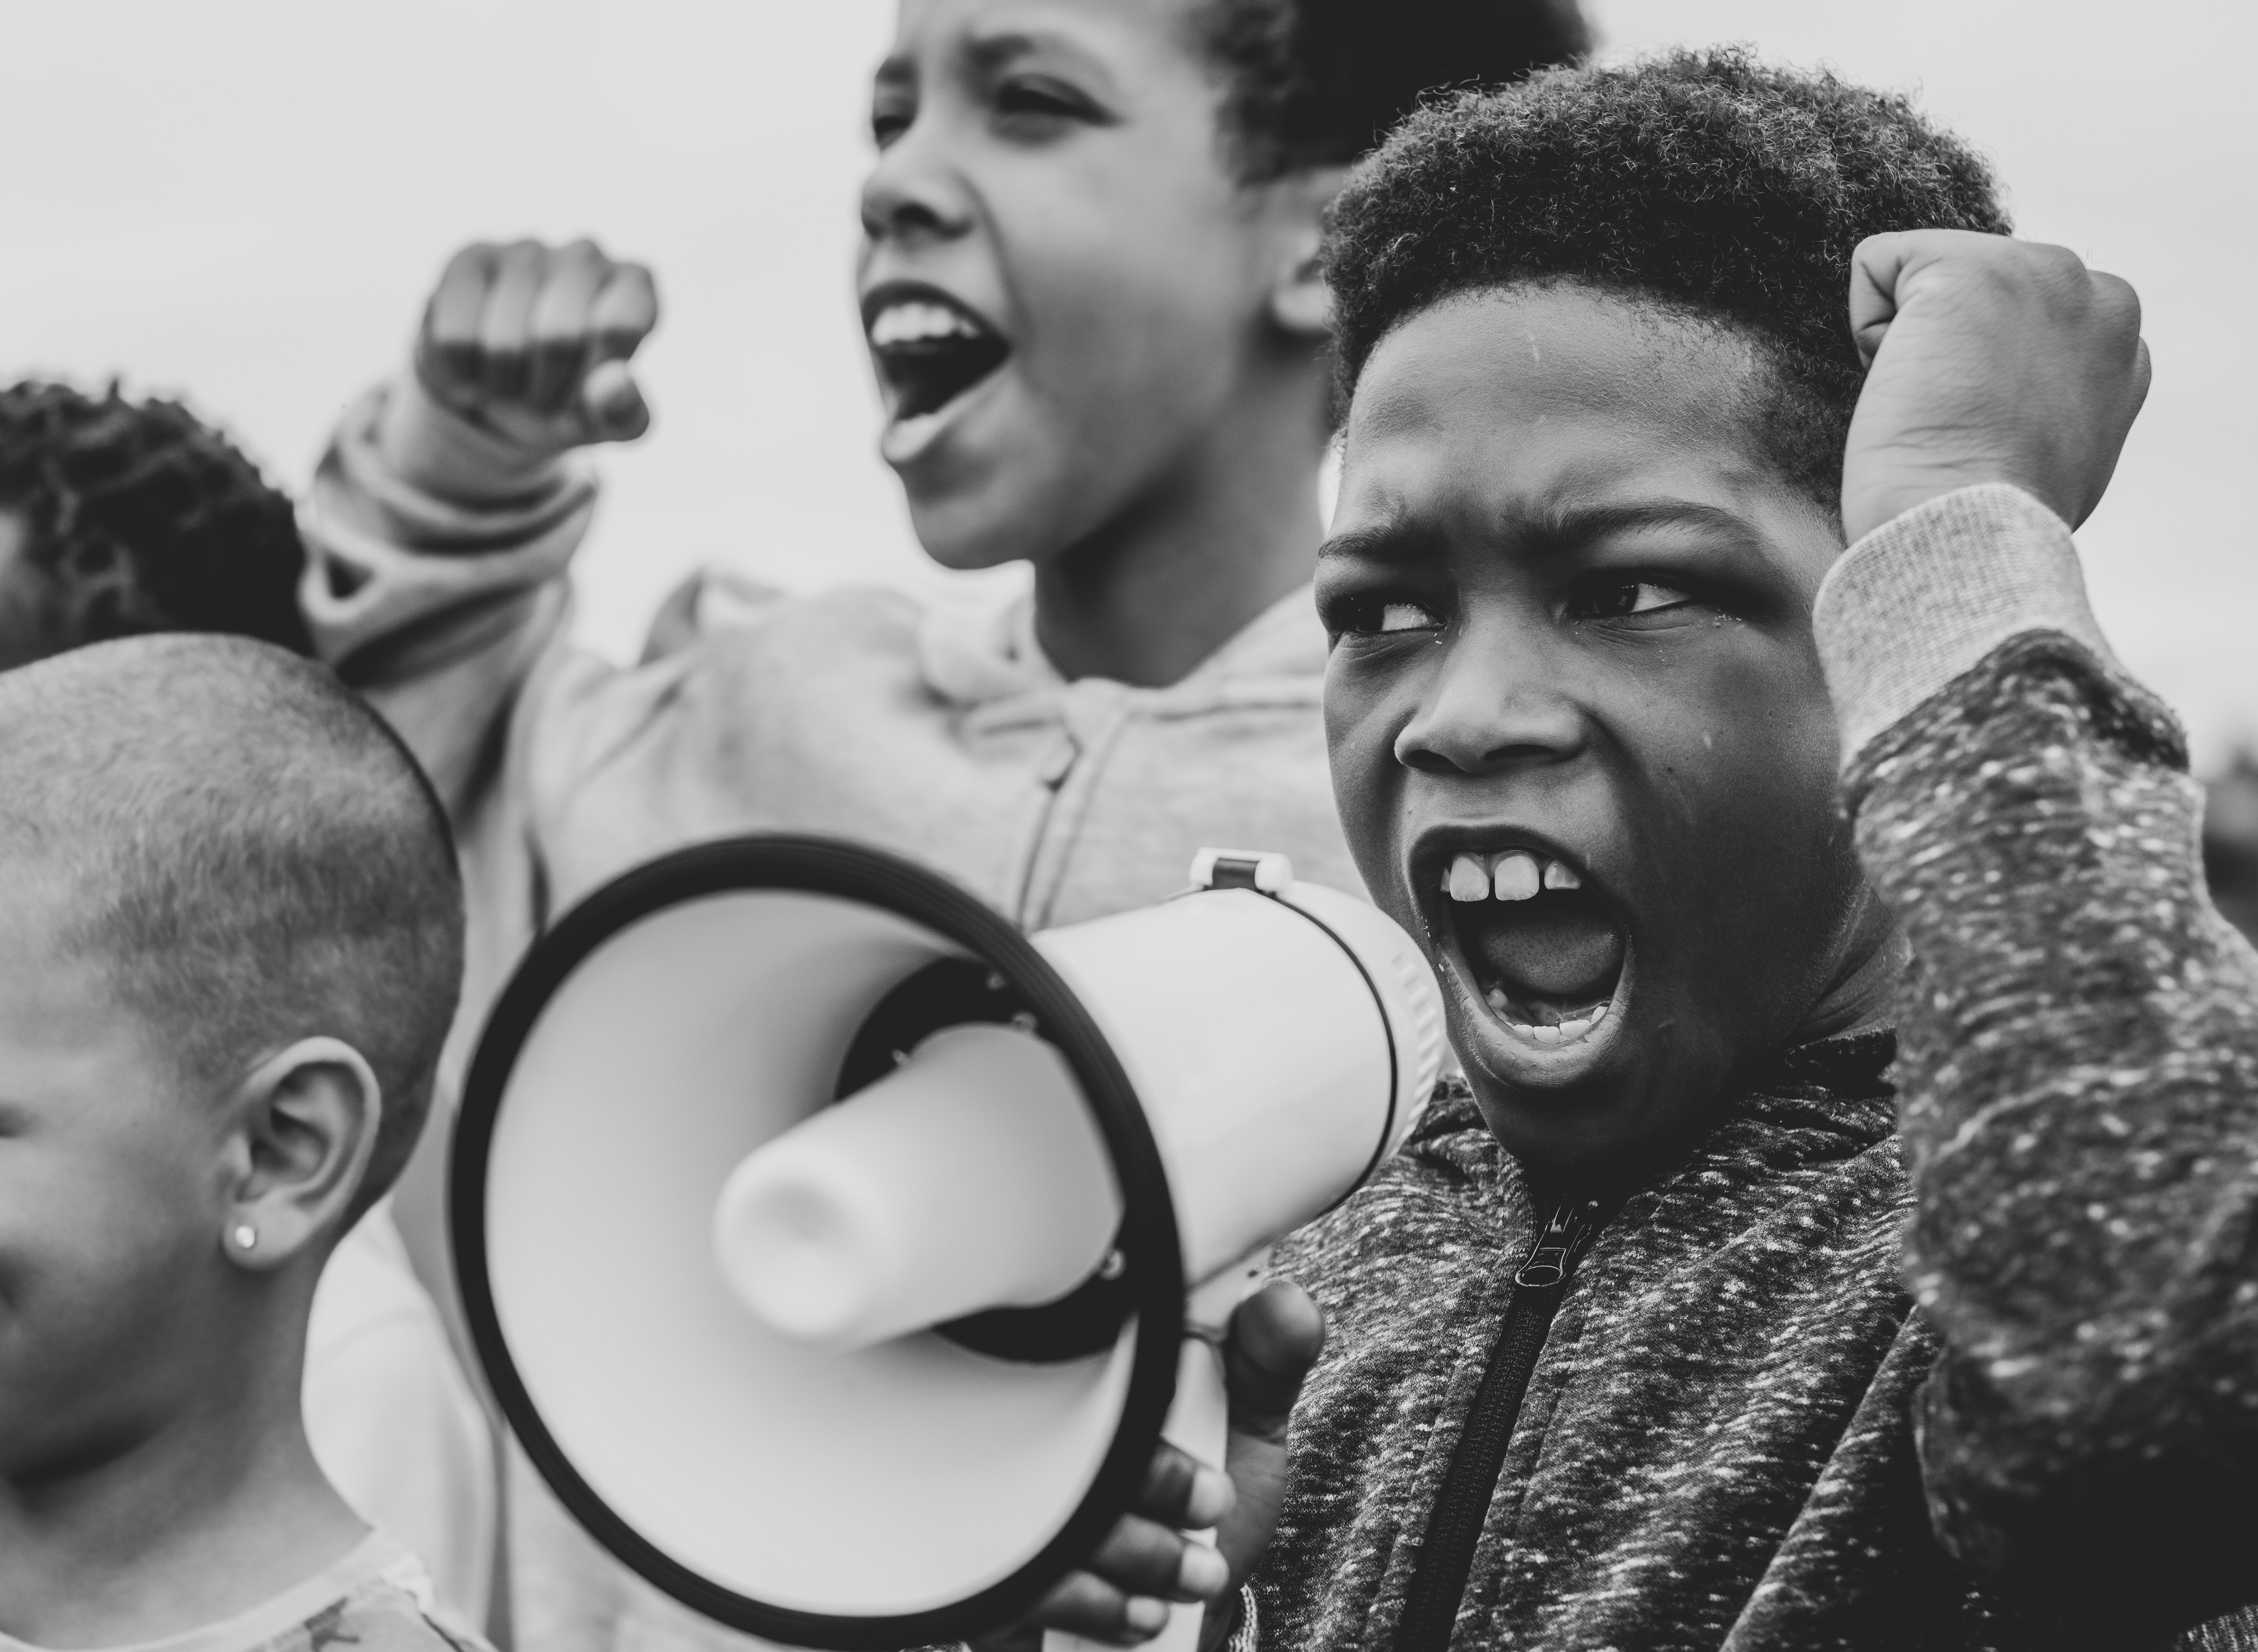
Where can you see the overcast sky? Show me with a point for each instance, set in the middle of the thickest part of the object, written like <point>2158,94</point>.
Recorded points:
<point>245,199</point>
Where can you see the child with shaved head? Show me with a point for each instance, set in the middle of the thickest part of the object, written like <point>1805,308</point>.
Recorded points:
<point>230,942</point>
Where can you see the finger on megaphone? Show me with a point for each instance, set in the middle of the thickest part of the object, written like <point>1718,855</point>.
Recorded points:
<point>1275,1336</point>
<point>1142,1557</point>
<point>1083,1603</point>
<point>1183,1491</point>
<point>612,404</point>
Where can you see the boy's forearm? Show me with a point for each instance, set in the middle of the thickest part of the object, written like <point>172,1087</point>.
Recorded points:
<point>2080,1061</point>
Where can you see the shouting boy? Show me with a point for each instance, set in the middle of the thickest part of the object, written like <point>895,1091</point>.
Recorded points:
<point>1089,290</point>
<point>231,936</point>
<point>1691,1319</point>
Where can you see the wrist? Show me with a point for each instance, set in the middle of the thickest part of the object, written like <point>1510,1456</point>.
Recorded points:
<point>1926,596</point>
<point>432,448</point>
<point>1870,504</point>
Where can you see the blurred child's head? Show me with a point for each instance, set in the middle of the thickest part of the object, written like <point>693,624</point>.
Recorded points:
<point>231,940</point>
<point>1091,234</point>
<point>1594,340</point>
<point>118,518</point>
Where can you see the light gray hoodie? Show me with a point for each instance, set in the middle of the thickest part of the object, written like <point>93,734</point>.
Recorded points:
<point>940,733</point>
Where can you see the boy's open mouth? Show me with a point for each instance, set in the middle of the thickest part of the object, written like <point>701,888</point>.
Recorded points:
<point>929,348</point>
<point>1544,953</point>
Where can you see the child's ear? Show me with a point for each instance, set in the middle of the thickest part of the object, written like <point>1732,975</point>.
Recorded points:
<point>302,1130</point>
<point>1299,300</point>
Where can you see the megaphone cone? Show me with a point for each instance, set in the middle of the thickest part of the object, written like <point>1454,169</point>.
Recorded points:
<point>826,1241</point>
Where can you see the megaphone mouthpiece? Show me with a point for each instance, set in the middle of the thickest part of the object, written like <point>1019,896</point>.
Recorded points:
<point>965,1179</point>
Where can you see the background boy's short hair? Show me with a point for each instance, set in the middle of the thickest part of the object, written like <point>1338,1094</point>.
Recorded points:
<point>1317,83</point>
<point>143,518</point>
<point>1706,181</point>
<point>251,854</point>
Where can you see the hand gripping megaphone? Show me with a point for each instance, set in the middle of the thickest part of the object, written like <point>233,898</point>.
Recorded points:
<point>827,1243</point>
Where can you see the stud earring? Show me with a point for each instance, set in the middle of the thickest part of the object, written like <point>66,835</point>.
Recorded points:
<point>246,1236</point>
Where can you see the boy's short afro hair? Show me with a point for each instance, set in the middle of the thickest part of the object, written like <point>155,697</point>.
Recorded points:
<point>1724,188</point>
<point>1318,82</point>
<point>144,519</point>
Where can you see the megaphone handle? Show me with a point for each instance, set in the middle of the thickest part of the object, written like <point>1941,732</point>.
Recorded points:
<point>1199,1425</point>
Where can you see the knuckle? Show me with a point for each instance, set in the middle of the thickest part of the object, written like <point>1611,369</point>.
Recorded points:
<point>2120,299</point>
<point>1169,1481</point>
<point>1083,1603</point>
<point>1142,1557</point>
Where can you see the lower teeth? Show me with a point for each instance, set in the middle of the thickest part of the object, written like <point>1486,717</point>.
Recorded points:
<point>1547,1032</point>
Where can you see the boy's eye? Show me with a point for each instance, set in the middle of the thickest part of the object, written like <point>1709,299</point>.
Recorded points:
<point>1028,97</point>
<point>890,118</point>
<point>1612,599</point>
<point>1378,616</point>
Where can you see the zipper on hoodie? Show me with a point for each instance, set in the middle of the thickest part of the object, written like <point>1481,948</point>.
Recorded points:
<point>1454,1527</point>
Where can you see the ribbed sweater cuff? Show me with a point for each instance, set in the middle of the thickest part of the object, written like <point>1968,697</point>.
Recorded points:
<point>1925,597</point>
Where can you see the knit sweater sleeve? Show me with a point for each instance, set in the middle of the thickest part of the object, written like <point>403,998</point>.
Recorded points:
<point>2079,1072</point>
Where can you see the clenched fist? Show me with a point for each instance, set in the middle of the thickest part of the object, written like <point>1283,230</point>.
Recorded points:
<point>532,343</point>
<point>1988,360</point>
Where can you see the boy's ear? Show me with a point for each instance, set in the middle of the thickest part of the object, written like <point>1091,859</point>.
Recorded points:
<point>1299,300</point>
<point>302,1130</point>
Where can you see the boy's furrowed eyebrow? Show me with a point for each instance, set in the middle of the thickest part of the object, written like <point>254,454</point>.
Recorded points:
<point>1567,529</point>
<point>1384,542</point>
<point>1557,529</point>
<point>1577,525</point>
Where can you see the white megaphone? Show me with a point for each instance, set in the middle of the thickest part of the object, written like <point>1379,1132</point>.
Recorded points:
<point>831,1247</point>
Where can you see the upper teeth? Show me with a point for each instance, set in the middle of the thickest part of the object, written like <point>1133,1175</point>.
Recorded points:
<point>912,320</point>
<point>1515,875</point>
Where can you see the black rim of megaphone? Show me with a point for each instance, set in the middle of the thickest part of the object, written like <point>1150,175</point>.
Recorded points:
<point>1148,1235</point>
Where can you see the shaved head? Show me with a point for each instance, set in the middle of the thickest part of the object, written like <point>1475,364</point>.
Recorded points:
<point>247,851</point>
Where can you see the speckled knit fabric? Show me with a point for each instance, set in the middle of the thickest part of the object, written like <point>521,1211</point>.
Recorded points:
<point>1988,1379</point>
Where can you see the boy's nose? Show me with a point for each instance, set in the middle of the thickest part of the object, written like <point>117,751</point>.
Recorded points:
<point>911,196</point>
<point>1493,704</point>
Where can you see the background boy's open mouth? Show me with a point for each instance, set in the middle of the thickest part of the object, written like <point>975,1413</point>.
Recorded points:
<point>1543,951</point>
<point>930,349</point>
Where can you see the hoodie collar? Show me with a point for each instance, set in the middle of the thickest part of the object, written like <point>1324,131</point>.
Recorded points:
<point>975,654</point>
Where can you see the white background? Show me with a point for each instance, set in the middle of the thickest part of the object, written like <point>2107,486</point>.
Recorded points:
<point>245,199</point>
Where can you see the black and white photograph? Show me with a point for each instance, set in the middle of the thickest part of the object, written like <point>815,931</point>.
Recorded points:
<point>1226,826</point>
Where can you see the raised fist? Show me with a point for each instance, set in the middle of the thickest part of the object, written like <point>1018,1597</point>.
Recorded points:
<point>1989,359</point>
<point>532,343</point>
